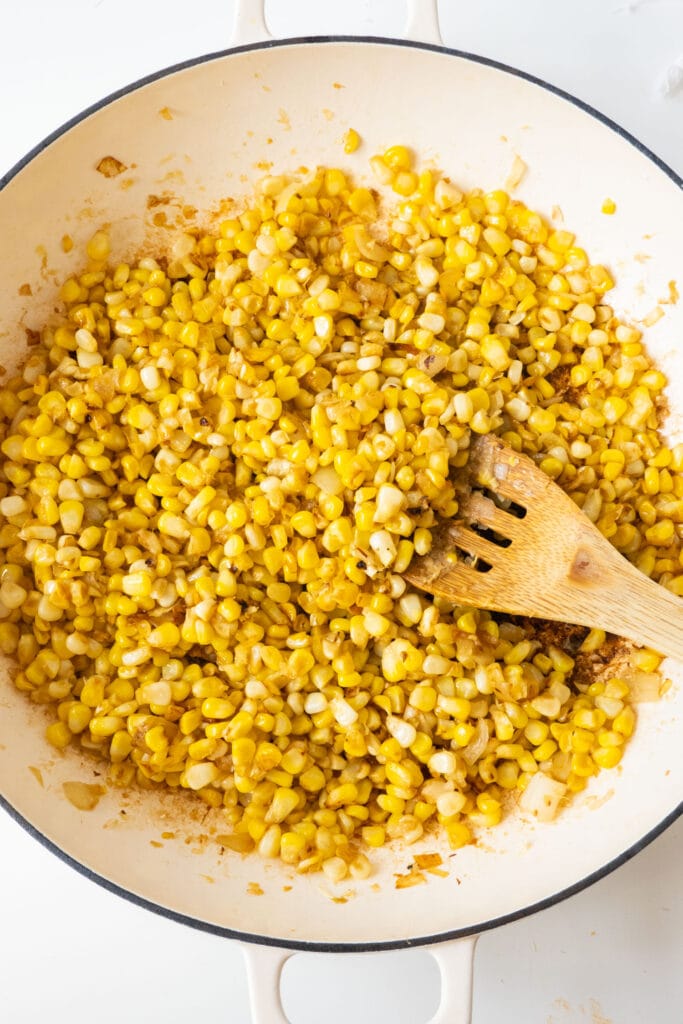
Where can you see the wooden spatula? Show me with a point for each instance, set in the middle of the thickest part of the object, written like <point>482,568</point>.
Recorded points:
<point>540,557</point>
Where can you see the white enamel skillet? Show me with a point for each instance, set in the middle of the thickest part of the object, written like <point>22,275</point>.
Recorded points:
<point>289,102</point>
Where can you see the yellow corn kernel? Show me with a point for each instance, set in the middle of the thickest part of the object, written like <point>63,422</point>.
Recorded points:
<point>646,660</point>
<point>312,780</point>
<point>351,141</point>
<point>284,802</point>
<point>607,757</point>
<point>105,725</point>
<point>243,752</point>
<point>625,722</point>
<point>218,708</point>
<point>304,523</point>
<point>120,747</point>
<point>458,834</point>
<point>467,622</point>
<point>583,765</point>
<point>59,735</point>
<point>373,835</point>
<point>78,718</point>
<point>166,636</point>
<point>398,158</point>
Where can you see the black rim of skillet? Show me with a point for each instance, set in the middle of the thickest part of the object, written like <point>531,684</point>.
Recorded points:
<point>315,946</point>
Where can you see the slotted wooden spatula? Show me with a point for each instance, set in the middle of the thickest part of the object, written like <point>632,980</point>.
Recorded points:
<point>541,557</point>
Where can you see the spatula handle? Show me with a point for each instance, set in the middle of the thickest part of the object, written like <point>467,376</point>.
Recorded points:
<point>642,610</point>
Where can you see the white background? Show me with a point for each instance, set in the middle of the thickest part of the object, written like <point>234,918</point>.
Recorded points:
<point>69,951</point>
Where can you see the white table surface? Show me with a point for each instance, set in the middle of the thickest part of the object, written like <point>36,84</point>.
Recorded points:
<point>69,951</point>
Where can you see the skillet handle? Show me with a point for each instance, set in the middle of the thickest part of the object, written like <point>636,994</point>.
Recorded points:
<point>249,23</point>
<point>264,969</point>
<point>422,25</point>
<point>455,960</point>
<point>456,963</point>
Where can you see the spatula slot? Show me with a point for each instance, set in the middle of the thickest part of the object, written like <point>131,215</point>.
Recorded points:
<point>488,534</point>
<point>483,514</point>
<point>504,504</point>
<point>518,511</point>
<point>473,562</point>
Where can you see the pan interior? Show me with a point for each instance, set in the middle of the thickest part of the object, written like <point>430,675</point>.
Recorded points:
<point>233,118</point>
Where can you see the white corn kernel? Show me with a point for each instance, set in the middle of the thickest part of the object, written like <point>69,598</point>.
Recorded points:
<point>382,544</point>
<point>390,501</point>
<point>403,732</point>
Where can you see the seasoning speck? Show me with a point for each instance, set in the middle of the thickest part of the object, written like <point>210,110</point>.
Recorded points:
<point>110,167</point>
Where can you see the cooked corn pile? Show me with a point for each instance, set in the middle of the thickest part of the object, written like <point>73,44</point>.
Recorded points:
<point>216,470</point>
